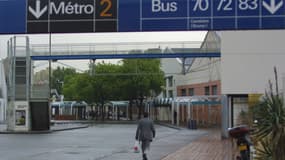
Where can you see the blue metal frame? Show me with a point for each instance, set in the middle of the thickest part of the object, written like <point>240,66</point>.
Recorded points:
<point>128,56</point>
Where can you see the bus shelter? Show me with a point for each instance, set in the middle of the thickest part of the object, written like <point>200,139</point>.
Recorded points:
<point>68,110</point>
<point>204,110</point>
<point>119,109</point>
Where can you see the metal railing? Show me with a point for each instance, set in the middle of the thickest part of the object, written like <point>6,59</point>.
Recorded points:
<point>118,48</point>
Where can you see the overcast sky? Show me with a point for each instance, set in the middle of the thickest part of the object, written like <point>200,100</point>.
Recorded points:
<point>193,36</point>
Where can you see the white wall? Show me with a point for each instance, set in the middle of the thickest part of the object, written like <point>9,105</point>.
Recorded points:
<point>248,58</point>
<point>171,68</point>
<point>204,69</point>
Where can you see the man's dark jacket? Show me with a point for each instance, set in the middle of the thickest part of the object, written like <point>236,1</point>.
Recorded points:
<point>145,130</point>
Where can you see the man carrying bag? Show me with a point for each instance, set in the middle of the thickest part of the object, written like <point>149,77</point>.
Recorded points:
<point>145,133</point>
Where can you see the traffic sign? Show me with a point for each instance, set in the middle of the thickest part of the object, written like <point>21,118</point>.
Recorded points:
<point>64,16</point>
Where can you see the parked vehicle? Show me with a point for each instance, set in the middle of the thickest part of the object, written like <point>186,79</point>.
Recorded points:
<point>241,134</point>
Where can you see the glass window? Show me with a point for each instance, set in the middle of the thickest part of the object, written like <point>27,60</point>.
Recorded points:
<point>183,92</point>
<point>215,90</point>
<point>170,93</point>
<point>164,94</point>
<point>170,81</point>
<point>191,91</point>
<point>207,90</point>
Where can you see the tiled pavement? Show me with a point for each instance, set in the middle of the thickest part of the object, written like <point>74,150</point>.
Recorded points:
<point>209,147</point>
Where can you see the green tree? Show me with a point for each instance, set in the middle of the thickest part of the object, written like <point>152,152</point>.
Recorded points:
<point>145,79</point>
<point>270,134</point>
<point>105,84</point>
<point>133,80</point>
<point>58,76</point>
<point>78,87</point>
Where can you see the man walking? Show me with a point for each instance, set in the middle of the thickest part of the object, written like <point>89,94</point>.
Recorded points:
<point>145,132</point>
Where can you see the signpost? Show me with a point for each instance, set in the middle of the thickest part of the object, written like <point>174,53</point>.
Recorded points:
<point>65,16</point>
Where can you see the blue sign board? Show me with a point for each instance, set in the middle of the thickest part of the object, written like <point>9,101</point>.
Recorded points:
<point>12,16</point>
<point>63,16</point>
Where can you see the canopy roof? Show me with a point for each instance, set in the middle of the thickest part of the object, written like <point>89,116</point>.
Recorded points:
<point>119,103</point>
<point>199,100</point>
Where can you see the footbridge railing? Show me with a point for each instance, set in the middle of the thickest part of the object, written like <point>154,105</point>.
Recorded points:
<point>121,50</point>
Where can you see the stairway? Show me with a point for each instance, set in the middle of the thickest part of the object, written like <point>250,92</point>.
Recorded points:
<point>3,93</point>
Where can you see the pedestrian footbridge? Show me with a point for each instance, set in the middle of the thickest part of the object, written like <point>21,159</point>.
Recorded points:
<point>123,50</point>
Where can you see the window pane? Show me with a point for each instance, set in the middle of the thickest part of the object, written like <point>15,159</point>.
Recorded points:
<point>183,92</point>
<point>215,90</point>
<point>170,93</point>
<point>207,90</point>
<point>191,91</point>
<point>170,81</point>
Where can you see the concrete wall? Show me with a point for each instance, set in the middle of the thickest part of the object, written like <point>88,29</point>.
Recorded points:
<point>204,69</point>
<point>248,58</point>
<point>171,67</point>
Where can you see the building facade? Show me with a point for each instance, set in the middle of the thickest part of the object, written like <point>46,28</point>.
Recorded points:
<point>248,59</point>
<point>195,77</point>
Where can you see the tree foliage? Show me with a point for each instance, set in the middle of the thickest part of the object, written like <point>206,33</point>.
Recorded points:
<point>146,79</point>
<point>132,80</point>
<point>78,87</point>
<point>58,76</point>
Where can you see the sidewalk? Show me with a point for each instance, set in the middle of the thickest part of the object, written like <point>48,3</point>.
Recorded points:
<point>209,147</point>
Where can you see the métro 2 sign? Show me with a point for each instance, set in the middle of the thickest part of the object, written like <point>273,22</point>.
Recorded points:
<point>73,16</point>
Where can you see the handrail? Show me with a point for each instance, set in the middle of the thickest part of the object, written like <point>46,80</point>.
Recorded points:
<point>119,48</point>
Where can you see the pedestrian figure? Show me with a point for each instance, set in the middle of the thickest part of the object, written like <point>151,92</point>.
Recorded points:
<point>92,114</point>
<point>175,116</point>
<point>145,133</point>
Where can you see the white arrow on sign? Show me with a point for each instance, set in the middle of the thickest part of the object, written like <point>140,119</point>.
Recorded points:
<point>38,12</point>
<point>272,8</point>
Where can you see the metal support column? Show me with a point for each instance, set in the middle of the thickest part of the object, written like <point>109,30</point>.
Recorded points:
<point>225,116</point>
<point>172,111</point>
<point>178,113</point>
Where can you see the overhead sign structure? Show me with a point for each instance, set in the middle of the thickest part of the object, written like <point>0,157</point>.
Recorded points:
<point>61,16</point>
<point>73,16</point>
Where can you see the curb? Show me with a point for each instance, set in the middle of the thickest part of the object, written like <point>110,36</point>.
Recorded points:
<point>71,128</point>
<point>44,132</point>
<point>169,126</point>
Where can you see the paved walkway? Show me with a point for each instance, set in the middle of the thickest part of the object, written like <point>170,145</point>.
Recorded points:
<point>209,147</point>
<point>97,142</point>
